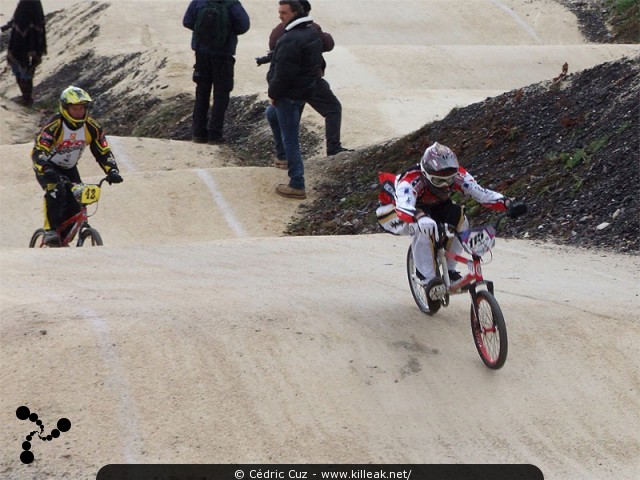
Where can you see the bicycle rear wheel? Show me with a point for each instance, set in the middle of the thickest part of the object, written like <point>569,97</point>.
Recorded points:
<point>489,330</point>
<point>425,304</point>
<point>37,239</point>
<point>91,234</point>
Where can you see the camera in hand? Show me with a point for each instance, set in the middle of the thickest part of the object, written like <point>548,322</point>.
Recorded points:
<point>265,59</point>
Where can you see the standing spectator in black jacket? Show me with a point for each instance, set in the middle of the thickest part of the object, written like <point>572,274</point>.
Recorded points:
<point>214,68</point>
<point>293,75</point>
<point>324,101</point>
<point>27,45</point>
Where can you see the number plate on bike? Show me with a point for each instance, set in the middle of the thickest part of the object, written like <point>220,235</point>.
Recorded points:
<point>90,194</point>
<point>478,240</point>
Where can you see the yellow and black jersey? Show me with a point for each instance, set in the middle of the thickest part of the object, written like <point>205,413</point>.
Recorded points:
<point>61,146</point>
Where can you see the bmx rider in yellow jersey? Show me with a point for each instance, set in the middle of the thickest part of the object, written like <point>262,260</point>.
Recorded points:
<point>58,147</point>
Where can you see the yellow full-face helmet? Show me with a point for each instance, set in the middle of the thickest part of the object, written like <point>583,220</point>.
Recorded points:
<point>74,96</point>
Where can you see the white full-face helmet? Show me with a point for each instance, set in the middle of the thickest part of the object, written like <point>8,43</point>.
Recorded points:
<point>439,165</point>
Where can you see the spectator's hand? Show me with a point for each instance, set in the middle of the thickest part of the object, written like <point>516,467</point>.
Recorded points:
<point>428,227</point>
<point>114,176</point>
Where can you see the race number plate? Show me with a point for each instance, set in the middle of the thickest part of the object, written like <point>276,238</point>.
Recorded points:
<point>479,240</point>
<point>90,194</point>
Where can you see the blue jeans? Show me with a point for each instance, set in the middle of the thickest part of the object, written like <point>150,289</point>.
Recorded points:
<point>272,118</point>
<point>286,121</point>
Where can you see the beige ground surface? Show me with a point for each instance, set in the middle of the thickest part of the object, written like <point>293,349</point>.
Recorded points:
<point>199,333</point>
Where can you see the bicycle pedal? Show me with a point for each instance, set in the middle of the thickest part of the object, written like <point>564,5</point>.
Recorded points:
<point>437,292</point>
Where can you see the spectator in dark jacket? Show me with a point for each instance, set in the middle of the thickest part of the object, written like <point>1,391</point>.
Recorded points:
<point>27,45</point>
<point>324,101</point>
<point>214,69</point>
<point>293,75</point>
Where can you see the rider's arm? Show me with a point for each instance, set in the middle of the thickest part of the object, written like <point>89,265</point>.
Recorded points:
<point>43,147</point>
<point>466,184</point>
<point>100,147</point>
<point>406,198</point>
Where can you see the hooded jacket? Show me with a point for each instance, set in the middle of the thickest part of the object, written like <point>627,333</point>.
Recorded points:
<point>297,61</point>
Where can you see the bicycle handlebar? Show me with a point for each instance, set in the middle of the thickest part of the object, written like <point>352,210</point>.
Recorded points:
<point>514,210</point>
<point>64,181</point>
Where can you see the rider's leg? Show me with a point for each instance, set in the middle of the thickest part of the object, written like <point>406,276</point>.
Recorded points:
<point>452,214</point>
<point>53,199</point>
<point>423,257</point>
<point>60,205</point>
<point>445,212</point>
<point>454,246</point>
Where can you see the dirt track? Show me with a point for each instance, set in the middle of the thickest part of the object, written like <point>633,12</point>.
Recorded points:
<point>198,334</point>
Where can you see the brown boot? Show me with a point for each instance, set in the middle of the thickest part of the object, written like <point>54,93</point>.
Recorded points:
<point>285,190</point>
<point>283,164</point>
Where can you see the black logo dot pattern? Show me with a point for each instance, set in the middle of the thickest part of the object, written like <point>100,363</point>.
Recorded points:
<point>23,413</point>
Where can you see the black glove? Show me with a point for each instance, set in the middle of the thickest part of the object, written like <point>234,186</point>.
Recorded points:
<point>266,59</point>
<point>515,208</point>
<point>50,175</point>
<point>114,177</point>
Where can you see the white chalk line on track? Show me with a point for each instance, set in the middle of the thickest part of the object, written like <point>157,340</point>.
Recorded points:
<point>520,21</point>
<point>118,384</point>
<point>224,207</point>
<point>206,177</point>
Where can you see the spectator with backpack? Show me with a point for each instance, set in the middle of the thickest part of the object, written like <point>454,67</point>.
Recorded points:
<point>216,25</point>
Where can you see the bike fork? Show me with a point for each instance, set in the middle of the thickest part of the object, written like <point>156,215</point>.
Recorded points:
<point>474,295</point>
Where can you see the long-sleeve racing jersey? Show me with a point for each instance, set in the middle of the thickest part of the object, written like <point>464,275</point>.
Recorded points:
<point>58,145</point>
<point>412,193</point>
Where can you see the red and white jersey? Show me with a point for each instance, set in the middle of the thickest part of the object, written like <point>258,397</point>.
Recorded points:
<point>412,191</point>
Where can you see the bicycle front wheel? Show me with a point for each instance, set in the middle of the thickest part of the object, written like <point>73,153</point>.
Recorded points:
<point>489,330</point>
<point>37,239</point>
<point>92,235</point>
<point>419,293</point>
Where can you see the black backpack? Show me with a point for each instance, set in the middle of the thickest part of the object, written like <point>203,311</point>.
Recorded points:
<point>213,24</point>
